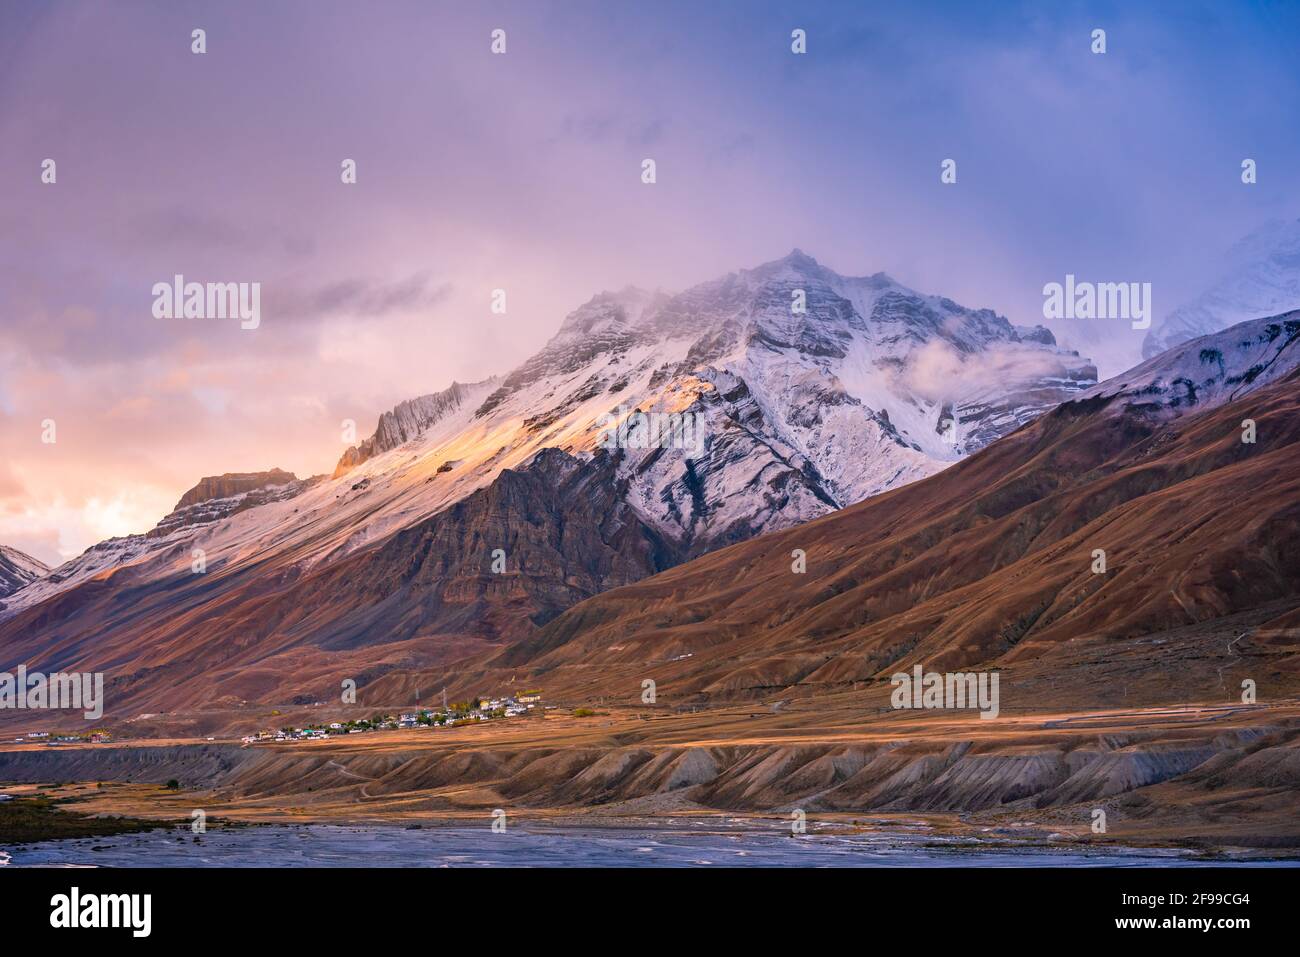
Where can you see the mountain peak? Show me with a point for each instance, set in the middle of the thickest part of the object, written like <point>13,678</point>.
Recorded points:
<point>17,569</point>
<point>796,261</point>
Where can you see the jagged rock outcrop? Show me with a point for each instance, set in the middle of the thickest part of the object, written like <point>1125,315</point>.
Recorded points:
<point>233,483</point>
<point>407,420</point>
<point>220,496</point>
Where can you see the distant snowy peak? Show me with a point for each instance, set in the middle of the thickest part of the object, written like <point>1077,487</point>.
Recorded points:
<point>409,419</point>
<point>1211,370</point>
<point>796,303</point>
<point>1260,278</point>
<point>17,569</point>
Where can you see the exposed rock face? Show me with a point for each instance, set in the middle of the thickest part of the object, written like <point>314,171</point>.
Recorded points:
<point>17,569</point>
<point>231,484</point>
<point>188,763</point>
<point>221,496</point>
<point>927,775</point>
<point>408,420</point>
<point>497,564</point>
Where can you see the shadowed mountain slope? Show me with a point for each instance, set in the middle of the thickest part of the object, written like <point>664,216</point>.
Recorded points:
<point>992,560</point>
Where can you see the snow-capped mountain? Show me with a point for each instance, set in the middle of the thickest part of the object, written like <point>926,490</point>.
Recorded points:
<point>801,411</point>
<point>1210,370</point>
<point>815,390</point>
<point>473,516</point>
<point>992,562</point>
<point>17,569</point>
<point>1261,277</point>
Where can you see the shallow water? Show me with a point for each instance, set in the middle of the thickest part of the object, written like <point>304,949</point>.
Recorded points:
<point>676,844</point>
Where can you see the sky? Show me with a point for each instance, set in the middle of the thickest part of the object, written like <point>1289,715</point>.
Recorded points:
<point>522,171</point>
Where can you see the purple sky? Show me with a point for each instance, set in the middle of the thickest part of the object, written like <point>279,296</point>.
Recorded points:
<point>522,171</point>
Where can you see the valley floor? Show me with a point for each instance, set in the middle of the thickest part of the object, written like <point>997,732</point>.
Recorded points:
<point>1209,776</point>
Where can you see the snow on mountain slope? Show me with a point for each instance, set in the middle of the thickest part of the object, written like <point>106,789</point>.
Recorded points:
<point>201,506</point>
<point>1260,278</point>
<point>1211,370</point>
<point>17,569</point>
<point>870,387</point>
<point>407,421</point>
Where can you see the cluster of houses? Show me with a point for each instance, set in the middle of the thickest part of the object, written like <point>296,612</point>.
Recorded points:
<point>98,736</point>
<point>477,709</point>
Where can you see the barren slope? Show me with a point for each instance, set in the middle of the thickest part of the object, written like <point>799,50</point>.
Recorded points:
<point>990,562</point>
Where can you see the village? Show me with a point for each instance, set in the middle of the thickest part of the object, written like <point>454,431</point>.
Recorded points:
<point>97,736</point>
<point>449,715</point>
<point>457,713</point>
